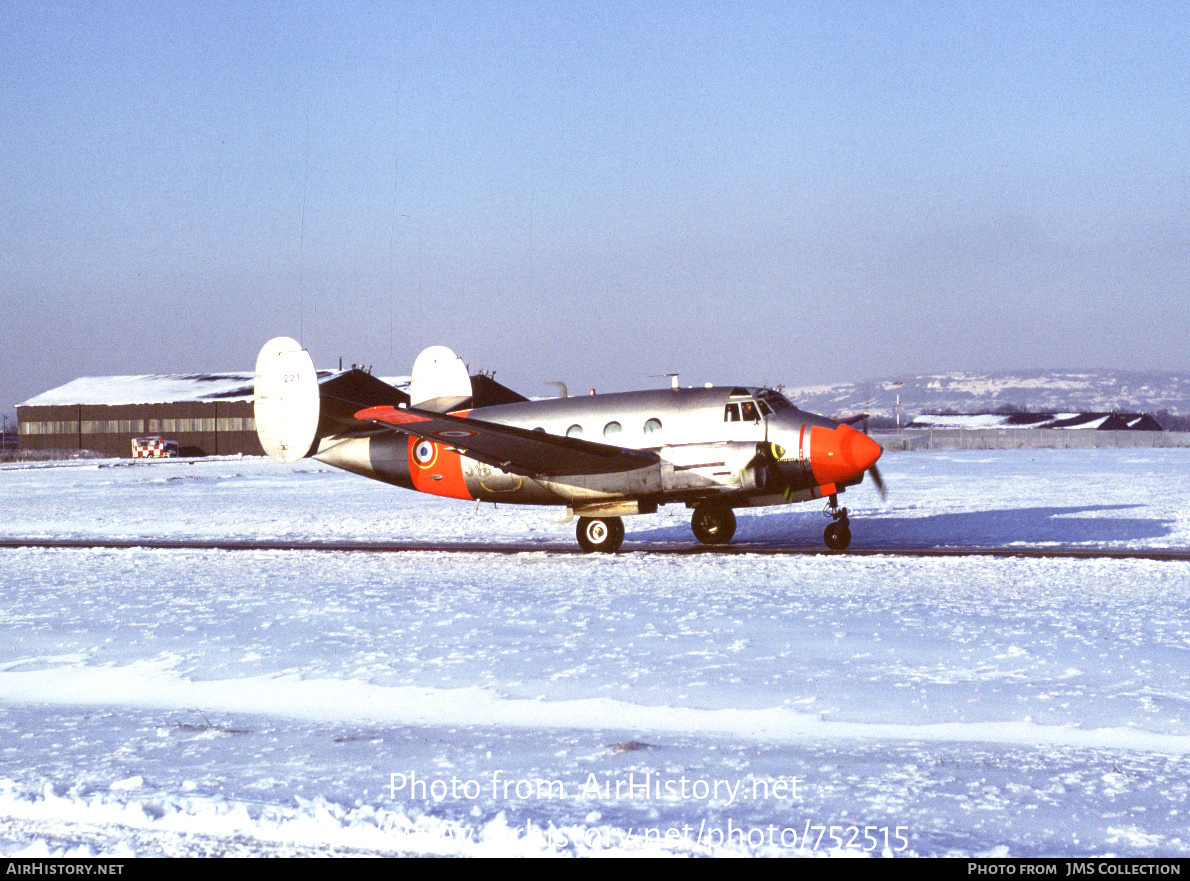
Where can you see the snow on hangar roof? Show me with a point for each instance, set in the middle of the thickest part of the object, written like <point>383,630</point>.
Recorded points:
<point>160,389</point>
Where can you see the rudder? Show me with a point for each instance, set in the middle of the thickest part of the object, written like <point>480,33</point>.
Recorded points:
<point>286,400</point>
<point>440,381</point>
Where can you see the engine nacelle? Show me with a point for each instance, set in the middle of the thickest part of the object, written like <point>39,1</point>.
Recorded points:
<point>731,464</point>
<point>754,476</point>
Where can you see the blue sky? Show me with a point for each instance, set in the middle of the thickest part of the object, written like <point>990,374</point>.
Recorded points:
<point>595,192</point>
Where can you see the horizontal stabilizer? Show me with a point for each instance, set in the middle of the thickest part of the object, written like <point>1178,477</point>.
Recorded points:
<point>344,394</point>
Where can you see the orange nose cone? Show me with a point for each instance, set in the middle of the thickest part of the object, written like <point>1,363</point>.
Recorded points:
<point>840,455</point>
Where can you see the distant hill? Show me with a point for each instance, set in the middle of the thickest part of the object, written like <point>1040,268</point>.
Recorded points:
<point>1036,390</point>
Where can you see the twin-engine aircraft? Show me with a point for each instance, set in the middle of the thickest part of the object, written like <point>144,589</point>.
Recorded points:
<point>603,457</point>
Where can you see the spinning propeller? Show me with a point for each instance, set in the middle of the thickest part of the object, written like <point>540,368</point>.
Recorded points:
<point>879,481</point>
<point>872,470</point>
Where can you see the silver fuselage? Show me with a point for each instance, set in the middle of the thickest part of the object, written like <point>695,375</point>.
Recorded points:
<point>706,439</point>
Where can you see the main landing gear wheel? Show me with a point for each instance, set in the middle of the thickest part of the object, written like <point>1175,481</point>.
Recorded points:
<point>713,526</point>
<point>600,534</point>
<point>838,535</point>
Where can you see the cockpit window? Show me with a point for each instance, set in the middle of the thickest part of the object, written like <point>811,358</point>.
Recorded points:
<point>731,413</point>
<point>749,413</point>
<point>776,400</point>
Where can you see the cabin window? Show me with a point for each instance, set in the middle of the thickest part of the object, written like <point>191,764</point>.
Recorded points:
<point>612,429</point>
<point>652,425</point>
<point>574,431</point>
<point>731,413</point>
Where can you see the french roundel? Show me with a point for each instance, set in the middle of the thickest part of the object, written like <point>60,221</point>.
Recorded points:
<point>424,453</point>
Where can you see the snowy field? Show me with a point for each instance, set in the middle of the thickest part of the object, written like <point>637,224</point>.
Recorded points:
<point>186,702</point>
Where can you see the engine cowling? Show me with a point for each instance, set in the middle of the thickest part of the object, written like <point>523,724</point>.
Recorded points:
<point>738,465</point>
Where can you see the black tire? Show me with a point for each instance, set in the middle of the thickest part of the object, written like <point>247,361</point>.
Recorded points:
<point>712,525</point>
<point>600,534</point>
<point>837,536</point>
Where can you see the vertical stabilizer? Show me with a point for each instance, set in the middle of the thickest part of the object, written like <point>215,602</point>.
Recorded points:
<point>440,381</point>
<point>286,401</point>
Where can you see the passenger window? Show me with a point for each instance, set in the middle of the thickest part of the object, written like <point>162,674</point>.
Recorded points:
<point>731,413</point>
<point>574,431</point>
<point>652,425</point>
<point>612,429</point>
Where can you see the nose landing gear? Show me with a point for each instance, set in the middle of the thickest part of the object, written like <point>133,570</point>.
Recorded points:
<point>838,534</point>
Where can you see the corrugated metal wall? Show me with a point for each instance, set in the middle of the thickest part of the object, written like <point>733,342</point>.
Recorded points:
<point>201,428</point>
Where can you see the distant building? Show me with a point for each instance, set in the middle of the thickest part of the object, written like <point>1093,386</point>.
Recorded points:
<point>1086,421</point>
<point>207,414</point>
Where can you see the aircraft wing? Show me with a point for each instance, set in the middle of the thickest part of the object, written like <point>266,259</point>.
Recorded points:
<point>516,450</point>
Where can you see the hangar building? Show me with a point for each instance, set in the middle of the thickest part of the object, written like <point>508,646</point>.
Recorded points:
<point>207,414</point>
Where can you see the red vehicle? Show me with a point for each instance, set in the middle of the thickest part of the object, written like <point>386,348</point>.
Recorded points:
<point>154,447</point>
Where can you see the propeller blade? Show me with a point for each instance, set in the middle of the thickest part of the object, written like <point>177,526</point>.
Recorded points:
<point>879,481</point>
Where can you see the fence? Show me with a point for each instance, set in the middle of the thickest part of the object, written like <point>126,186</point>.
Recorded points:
<point>1027,438</point>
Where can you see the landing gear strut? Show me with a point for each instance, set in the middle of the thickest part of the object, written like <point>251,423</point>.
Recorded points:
<point>600,534</point>
<point>838,534</point>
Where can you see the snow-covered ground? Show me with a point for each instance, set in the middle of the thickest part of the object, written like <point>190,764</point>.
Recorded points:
<point>251,702</point>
